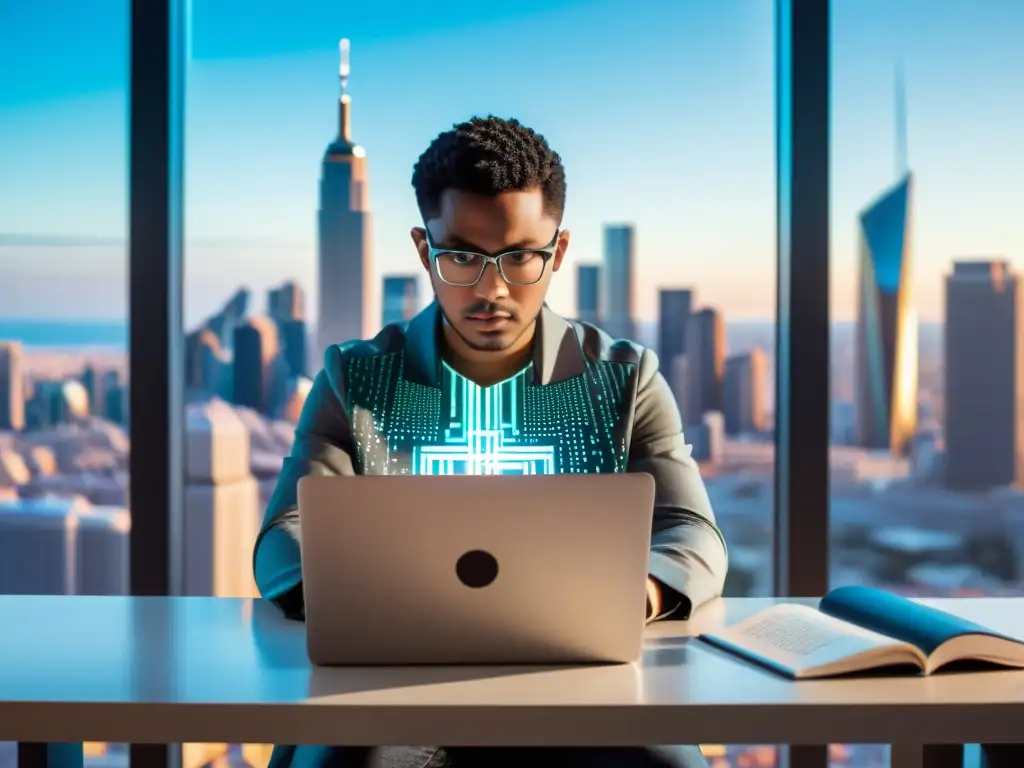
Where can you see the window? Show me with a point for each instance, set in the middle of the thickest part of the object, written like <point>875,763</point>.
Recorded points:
<point>664,118</point>
<point>925,456</point>
<point>927,314</point>
<point>64,437</point>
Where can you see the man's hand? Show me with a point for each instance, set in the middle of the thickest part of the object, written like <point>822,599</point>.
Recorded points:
<point>653,599</point>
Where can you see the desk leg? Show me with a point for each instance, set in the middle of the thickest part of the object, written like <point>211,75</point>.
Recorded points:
<point>941,756</point>
<point>805,756</point>
<point>36,755</point>
<point>156,755</point>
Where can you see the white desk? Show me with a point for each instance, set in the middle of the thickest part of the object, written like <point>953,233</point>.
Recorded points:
<point>215,670</point>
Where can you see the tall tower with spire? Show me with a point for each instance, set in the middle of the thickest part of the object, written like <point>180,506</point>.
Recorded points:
<point>345,259</point>
<point>886,340</point>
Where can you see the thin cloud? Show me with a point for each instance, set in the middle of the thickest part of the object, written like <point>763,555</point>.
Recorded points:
<point>9,239</point>
<point>79,241</point>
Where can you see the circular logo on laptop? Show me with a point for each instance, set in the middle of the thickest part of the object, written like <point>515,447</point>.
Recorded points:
<point>477,569</point>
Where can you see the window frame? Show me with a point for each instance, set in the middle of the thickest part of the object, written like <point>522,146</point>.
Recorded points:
<point>800,562</point>
<point>159,37</point>
<point>802,321</point>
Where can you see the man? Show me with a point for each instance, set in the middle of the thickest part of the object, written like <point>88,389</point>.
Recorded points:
<point>491,194</point>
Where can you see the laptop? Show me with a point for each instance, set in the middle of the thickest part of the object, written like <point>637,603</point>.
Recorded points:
<point>496,569</point>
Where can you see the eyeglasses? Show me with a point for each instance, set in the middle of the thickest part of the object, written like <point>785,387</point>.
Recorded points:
<point>516,267</point>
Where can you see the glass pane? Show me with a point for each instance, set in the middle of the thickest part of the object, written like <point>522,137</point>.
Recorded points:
<point>298,229</point>
<point>63,313</point>
<point>927,322</point>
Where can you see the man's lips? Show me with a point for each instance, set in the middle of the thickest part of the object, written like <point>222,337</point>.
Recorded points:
<point>490,322</point>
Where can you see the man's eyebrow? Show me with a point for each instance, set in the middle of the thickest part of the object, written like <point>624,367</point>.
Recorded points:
<point>457,243</point>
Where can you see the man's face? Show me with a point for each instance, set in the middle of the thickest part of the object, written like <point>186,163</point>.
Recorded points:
<point>493,314</point>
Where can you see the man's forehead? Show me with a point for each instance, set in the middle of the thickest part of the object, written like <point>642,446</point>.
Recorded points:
<point>513,204</point>
<point>491,222</point>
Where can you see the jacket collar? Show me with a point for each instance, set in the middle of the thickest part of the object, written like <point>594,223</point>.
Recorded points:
<point>557,353</point>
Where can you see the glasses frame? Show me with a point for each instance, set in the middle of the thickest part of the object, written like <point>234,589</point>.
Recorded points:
<point>547,253</point>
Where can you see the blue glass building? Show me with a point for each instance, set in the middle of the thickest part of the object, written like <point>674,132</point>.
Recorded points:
<point>675,306</point>
<point>401,299</point>
<point>886,337</point>
<point>617,283</point>
<point>588,293</point>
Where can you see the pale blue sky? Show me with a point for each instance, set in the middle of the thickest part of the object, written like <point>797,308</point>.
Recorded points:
<point>663,113</point>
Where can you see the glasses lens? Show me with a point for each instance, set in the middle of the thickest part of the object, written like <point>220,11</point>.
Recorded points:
<point>523,267</point>
<point>460,268</point>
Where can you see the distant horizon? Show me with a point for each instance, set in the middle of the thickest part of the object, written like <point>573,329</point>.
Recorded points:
<point>108,253</point>
<point>107,322</point>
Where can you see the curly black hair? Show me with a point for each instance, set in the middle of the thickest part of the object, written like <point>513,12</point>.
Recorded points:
<point>487,156</point>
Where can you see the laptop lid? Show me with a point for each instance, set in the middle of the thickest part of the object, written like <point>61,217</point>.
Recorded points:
<point>475,569</point>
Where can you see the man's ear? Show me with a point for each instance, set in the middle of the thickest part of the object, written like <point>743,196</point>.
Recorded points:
<point>419,239</point>
<point>560,248</point>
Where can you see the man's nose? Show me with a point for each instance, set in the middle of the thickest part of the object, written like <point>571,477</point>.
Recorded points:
<point>492,285</point>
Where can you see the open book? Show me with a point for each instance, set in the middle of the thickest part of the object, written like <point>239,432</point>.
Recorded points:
<point>856,629</point>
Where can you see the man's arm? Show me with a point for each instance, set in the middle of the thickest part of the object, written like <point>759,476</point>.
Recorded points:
<point>323,446</point>
<point>688,554</point>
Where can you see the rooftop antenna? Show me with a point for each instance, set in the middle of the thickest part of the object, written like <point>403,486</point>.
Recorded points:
<point>902,161</point>
<point>344,69</point>
<point>344,128</point>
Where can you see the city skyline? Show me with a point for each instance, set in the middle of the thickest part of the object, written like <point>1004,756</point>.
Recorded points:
<point>664,115</point>
<point>731,141</point>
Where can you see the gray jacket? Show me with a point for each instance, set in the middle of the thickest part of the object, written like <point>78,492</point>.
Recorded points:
<point>587,403</point>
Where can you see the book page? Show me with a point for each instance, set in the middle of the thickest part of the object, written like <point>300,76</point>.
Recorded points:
<point>798,638</point>
<point>799,633</point>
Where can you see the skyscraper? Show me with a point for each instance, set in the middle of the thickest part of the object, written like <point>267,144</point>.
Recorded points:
<point>38,543</point>
<point>207,365</point>
<point>115,397</point>
<point>51,545</point>
<point>674,308</point>
<point>223,323</point>
<point>292,335</point>
<point>57,402</point>
<point>401,299</point>
<point>617,282</point>
<point>286,302</point>
<point>886,338</point>
<point>12,386</point>
<point>588,293</point>
<point>686,395</point>
<point>984,372</point>
<point>256,353</point>
<point>286,306</point>
<point>91,381</point>
<point>222,504</point>
<point>102,557</point>
<point>705,356</point>
<point>345,234</point>
<point>744,392</point>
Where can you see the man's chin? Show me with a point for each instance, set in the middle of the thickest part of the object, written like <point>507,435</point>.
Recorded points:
<point>490,342</point>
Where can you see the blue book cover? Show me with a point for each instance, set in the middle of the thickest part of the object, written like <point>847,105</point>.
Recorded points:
<point>899,618</point>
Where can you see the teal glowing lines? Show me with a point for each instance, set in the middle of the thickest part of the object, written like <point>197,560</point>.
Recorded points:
<point>484,435</point>
<point>401,427</point>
